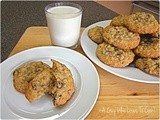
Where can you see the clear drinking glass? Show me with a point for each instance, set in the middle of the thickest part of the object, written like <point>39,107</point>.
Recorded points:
<point>64,22</point>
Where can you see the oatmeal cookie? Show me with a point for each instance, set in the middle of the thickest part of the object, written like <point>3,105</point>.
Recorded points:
<point>25,73</point>
<point>119,20</point>
<point>64,84</point>
<point>148,47</point>
<point>120,37</point>
<point>95,34</point>
<point>142,23</point>
<point>40,85</point>
<point>113,56</point>
<point>149,65</point>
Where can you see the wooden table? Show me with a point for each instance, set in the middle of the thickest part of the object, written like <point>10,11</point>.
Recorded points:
<point>119,98</point>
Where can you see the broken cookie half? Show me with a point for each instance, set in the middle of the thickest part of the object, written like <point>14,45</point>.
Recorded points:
<point>40,85</point>
<point>64,83</point>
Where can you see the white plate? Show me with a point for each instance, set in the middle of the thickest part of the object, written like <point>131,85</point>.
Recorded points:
<point>130,73</point>
<point>86,80</point>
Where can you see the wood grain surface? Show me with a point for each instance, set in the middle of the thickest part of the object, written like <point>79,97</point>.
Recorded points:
<point>119,98</point>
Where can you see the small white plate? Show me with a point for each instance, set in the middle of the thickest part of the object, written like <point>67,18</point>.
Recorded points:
<point>86,80</point>
<point>130,72</point>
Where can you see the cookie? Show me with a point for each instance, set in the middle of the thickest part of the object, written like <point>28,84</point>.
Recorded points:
<point>119,20</point>
<point>113,56</point>
<point>157,33</point>
<point>142,23</point>
<point>25,73</point>
<point>120,37</point>
<point>64,84</point>
<point>149,65</point>
<point>148,47</point>
<point>95,34</point>
<point>40,85</point>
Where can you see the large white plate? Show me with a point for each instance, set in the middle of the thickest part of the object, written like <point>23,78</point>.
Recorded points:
<point>86,80</point>
<point>130,72</point>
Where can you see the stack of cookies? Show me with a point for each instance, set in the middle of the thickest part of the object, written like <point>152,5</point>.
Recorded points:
<point>127,37</point>
<point>35,79</point>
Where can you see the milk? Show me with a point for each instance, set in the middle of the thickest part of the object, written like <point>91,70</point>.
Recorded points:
<point>64,24</point>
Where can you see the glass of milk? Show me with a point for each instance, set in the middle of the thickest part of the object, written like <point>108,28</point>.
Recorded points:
<point>64,22</point>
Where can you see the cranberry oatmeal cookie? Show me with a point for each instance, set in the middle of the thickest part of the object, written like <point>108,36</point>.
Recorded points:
<point>65,84</point>
<point>25,73</point>
<point>40,85</point>
<point>149,65</point>
<point>142,23</point>
<point>113,56</point>
<point>95,34</point>
<point>148,47</point>
<point>120,37</point>
<point>119,20</point>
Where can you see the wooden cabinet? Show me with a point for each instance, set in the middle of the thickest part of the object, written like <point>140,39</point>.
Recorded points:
<point>120,7</point>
